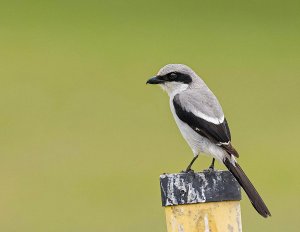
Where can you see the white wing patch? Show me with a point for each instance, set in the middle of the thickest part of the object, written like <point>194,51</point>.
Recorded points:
<point>223,143</point>
<point>213,120</point>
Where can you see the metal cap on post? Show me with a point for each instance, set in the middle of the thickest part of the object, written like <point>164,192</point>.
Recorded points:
<point>201,202</point>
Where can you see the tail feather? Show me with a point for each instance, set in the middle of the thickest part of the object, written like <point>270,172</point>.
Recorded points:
<point>250,190</point>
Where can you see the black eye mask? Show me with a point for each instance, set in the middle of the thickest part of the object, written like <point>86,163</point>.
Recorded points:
<point>176,77</point>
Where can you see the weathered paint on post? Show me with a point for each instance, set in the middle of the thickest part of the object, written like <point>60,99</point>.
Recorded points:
<point>205,217</point>
<point>201,202</point>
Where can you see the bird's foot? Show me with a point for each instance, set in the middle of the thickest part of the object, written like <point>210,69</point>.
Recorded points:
<point>188,170</point>
<point>209,170</point>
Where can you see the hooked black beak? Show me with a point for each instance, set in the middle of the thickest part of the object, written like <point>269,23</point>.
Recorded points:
<point>154,80</point>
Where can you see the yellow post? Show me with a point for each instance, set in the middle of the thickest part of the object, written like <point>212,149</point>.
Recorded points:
<point>201,202</point>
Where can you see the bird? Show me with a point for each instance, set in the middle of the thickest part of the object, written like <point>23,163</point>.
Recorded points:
<point>201,121</point>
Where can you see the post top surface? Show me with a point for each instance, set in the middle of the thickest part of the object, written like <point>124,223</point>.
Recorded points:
<point>196,187</point>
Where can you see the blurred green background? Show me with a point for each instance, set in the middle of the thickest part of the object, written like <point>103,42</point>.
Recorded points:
<point>84,140</point>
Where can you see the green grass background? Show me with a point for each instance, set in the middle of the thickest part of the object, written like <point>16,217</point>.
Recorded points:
<point>84,140</point>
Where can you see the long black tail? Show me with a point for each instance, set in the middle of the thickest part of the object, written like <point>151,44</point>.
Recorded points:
<point>243,180</point>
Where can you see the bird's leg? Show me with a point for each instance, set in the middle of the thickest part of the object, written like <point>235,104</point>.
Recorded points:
<point>212,166</point>
<point>190,165</point>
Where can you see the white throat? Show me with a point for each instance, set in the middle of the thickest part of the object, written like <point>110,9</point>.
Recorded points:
<point>173,88</point>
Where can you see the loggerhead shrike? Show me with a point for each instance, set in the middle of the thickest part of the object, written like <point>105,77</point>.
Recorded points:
<point>201,121</point>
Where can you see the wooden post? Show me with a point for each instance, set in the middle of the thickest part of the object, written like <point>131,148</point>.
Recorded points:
<point>201,202</point>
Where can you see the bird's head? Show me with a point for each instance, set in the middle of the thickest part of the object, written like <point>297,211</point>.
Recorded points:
<point>174,78</point>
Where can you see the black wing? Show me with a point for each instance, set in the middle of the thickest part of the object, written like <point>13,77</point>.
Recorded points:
<point>216,133</point>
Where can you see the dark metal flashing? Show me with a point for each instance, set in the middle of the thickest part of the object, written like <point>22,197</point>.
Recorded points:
<point>190,188</point>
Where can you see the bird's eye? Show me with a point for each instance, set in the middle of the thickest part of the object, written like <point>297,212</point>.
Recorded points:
<point>173,76</point>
